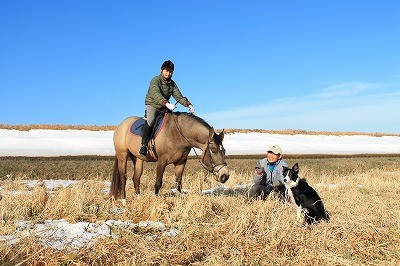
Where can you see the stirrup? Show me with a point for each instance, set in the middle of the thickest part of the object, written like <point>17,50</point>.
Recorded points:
<point>143,150</point>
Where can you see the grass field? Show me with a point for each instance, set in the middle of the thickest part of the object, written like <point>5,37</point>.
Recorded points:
<point>361,194</point>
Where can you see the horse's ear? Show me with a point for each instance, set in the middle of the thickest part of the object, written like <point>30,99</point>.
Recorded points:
<point>222,134</point>
<point>211,134</point>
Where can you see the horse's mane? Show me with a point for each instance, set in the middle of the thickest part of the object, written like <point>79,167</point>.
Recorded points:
<point>196,118</point>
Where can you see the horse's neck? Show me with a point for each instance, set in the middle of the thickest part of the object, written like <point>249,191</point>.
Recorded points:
<point>193,131</point>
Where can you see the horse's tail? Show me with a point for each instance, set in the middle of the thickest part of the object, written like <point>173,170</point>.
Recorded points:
<point>115,181</point>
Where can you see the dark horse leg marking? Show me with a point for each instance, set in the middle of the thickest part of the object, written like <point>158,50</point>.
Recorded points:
<point>179,168</point>
<point>159,175</point>
<point>115,180</point>
<point>122,177</point>
<point>137,173</point>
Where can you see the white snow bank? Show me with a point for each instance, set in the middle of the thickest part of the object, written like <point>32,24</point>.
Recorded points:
<point>84,142</point>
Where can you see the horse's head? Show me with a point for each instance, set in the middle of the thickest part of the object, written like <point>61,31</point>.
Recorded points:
<point>214,156</point>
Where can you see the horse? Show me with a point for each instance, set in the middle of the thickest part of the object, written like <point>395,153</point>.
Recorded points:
<point>179,134</point>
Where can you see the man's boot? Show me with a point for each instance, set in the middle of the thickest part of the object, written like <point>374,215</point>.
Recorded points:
<point>145,139</point>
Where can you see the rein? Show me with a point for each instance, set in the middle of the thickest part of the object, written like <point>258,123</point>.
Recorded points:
<point>213,165</point>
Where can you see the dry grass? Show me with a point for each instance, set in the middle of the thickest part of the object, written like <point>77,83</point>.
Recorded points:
<point>361,195</point>
<point>227,130</point>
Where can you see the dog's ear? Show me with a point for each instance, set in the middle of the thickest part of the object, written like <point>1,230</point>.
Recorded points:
<point>296,168</point>
<point>284,170</point>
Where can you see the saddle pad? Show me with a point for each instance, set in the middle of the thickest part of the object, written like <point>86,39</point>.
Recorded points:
<point>137,126</point>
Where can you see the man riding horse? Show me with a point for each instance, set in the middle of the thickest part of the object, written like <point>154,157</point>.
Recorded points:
<point>161,88</point>
<point>180,132</point>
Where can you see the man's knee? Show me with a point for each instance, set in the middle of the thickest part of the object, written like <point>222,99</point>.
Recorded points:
<point>258,191</point>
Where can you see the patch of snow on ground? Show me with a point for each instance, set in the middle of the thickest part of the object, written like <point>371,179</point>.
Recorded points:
<point>62,235</point>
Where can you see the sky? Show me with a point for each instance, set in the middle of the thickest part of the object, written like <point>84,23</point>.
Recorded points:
<point>306,65</point>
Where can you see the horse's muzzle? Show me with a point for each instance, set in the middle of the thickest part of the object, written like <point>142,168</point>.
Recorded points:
<point>222,175</point>
<point>224,178</point>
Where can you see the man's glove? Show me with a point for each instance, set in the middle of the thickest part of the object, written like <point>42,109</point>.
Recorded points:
<point>191,109</point>
<point>170,106</point>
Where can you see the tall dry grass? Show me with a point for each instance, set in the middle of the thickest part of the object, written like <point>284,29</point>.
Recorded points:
<point>361,195</point>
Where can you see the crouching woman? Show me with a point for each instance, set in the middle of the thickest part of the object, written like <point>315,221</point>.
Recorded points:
<point>268,175</point>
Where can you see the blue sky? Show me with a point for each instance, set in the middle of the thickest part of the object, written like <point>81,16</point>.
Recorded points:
<point>311,65</point>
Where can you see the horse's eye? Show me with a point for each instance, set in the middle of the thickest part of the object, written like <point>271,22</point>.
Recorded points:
<point>214,150</point>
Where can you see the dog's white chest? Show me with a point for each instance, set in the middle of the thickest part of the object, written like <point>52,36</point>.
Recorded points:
<point>289,196</point>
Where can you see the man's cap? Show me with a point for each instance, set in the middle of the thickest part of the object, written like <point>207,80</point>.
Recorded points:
<point>168,64</point>
<point>275,149</point>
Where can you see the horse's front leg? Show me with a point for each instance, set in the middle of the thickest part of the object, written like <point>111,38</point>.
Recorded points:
<point>160,172</point>
<point>137,173</point>
<point>179,168</point>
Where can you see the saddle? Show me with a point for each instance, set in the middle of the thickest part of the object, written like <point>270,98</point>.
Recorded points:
<point>137,126</point>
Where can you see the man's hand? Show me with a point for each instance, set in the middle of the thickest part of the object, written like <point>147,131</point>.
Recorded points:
<point>170,106</point>
<point>191,109</point>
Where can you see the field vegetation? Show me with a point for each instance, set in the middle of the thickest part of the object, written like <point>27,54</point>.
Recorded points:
<point>361,194</point>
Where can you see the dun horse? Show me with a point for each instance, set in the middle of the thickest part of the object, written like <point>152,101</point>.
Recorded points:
<point>180,132</point>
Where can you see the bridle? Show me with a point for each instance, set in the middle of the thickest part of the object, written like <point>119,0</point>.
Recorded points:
<point>207,150</point>
<point>213,165</point>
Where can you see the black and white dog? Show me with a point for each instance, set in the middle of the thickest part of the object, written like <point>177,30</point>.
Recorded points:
<point>310,208</point>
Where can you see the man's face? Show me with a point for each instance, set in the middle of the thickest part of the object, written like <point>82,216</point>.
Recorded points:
<point>167,74</point>
<point>271,157</point>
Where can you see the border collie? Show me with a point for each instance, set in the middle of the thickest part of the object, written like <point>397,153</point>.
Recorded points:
<point>310,208</point>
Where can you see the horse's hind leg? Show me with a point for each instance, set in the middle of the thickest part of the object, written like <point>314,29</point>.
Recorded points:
<point>115,185</point>
<point>179,168</point>
<point>137,173</point>
<point>122,159</point>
